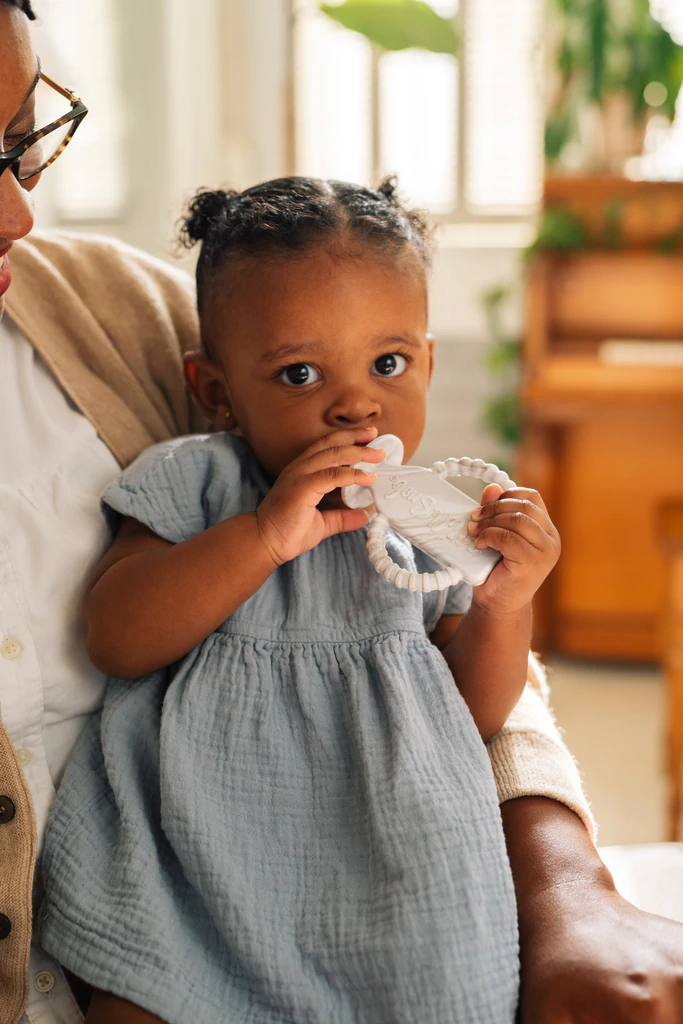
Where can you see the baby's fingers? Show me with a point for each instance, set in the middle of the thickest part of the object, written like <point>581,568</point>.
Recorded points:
<point>511,505</point>
<point>354,436</point>
<point>326,480</point>
<point>343,520</point>
<point>527,495</point>
<point>339,457</point>
<point>512,526</point>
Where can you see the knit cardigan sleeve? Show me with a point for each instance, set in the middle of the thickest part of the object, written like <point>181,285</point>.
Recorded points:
<point>529,757</point>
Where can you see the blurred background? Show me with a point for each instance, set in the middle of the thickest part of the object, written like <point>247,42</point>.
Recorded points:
<point>546,139</point>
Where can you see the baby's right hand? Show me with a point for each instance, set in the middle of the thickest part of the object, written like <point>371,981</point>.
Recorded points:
<point>288,517</point>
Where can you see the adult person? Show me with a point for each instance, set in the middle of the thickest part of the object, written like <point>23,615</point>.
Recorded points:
<point>90,374</point>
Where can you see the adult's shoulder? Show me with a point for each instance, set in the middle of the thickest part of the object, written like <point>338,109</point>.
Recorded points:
<point>112,324</point>
<point>87,263</point>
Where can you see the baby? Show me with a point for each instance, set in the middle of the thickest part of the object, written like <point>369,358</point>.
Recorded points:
<point>289,815</point>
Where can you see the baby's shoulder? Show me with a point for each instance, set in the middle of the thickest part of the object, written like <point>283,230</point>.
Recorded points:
<point>183,486</point>
<point>195,455</point>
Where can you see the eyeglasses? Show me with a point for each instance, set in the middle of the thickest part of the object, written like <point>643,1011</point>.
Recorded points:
<point>42,147</point>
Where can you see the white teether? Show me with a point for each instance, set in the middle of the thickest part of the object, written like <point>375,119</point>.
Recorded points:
<point>433,515</point>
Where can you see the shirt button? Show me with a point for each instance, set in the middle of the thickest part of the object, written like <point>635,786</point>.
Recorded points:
<point>5,927</point>
<point>11,649</point>
<point>7,810</point>
<point>44,981</point>
<point>24,756</point>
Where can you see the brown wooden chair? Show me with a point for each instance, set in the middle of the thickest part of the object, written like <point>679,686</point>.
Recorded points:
<point>671,538</point>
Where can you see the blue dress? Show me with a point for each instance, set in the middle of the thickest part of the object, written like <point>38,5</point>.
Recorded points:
<point>297,822</point>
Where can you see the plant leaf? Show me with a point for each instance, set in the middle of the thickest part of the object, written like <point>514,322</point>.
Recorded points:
<point>503,417</point>
<point>396,24</point>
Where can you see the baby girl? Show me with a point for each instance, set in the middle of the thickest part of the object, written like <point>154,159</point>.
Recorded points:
<point>285,811</point>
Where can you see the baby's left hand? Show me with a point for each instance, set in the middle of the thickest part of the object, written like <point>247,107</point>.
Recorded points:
<point>517,524</point>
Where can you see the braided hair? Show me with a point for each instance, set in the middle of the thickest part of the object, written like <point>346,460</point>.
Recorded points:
<point>292,216</point>
<point>23,5</point>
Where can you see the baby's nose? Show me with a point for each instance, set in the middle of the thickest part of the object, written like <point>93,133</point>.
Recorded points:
<point>353,408</point>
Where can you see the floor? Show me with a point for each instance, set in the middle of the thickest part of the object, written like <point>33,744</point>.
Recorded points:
<point>612,718</point>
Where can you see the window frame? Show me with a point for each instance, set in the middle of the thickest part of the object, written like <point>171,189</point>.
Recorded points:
<point>516,226</point>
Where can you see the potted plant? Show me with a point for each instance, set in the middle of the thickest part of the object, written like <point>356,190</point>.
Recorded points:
<point>611,66</point>
<point>396,24</point>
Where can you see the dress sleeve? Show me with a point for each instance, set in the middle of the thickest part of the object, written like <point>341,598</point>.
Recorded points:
<point>454,601</point>
<point>458,599</point>
<point>529,757</point>
<point>178,488</point>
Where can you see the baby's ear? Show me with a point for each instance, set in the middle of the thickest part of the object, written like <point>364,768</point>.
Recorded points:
<point>430,344</point>
<point>207,384</point>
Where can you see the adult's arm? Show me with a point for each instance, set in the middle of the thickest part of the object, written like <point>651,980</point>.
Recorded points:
<point>530,758</point>
<point>528,755</point>
<point>587,955</point>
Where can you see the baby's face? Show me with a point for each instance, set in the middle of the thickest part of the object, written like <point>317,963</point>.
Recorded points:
<point>314,344</point>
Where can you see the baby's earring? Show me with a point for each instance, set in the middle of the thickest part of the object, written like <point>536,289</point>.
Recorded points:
<point>230,424</point>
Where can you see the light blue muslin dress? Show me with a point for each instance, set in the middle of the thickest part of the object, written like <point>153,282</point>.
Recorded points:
<point>297,822</point>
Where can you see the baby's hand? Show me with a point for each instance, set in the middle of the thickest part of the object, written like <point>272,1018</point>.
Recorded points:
<point>517,524</point>
<point>288,517</point>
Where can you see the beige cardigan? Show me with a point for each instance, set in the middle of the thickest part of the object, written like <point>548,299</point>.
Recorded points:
<point>112,323</point>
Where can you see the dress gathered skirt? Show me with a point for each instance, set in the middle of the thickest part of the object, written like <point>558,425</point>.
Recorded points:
<point>297,822</point>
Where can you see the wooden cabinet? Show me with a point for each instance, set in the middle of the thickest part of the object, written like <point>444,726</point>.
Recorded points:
<point>603,404</point>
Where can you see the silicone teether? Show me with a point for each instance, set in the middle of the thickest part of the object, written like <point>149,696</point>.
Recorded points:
<point>433,515</point>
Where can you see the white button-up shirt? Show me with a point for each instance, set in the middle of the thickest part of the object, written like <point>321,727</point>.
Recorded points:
<point>53,468</point>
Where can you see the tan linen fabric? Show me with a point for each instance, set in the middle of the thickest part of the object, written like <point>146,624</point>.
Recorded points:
<point>112,324</point>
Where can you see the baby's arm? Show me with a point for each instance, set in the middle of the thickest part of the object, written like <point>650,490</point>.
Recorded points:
<point>150,602</point>
<point>489,652</point>
<point>489,661</point>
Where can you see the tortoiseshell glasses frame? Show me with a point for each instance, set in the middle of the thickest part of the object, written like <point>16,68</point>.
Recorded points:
<point>13,157</point>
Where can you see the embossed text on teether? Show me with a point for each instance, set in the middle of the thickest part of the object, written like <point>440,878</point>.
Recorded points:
<point>452,525</point>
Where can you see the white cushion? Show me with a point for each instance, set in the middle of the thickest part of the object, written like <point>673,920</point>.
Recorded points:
<point>649,876</point>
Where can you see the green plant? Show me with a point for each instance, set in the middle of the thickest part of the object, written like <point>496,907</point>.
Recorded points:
<point>396,24</point>
<point>560,230</point>
<point>608,47</point>
<point>503,412</point>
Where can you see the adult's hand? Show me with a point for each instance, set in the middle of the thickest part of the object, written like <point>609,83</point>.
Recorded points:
<point>588,955</point>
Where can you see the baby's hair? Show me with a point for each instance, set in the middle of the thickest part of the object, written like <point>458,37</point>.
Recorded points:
<point>23,5</point>
<point>293,216</point>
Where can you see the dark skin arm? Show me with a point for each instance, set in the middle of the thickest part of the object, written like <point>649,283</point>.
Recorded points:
<point>588,956</point>
<point>149,602</point>
<point>489,653</point>
<point>488,657</point>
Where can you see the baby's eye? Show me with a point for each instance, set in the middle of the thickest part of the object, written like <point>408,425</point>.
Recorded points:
<point>299,373</point>
<point>391,365</point>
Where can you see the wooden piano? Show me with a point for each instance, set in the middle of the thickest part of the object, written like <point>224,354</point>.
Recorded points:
<point>603,406</point>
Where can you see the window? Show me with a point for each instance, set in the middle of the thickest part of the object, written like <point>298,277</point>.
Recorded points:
<point>77,41</point>
<point>464,135</point>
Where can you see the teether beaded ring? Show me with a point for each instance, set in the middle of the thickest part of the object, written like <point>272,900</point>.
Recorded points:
<point>379,526</point>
